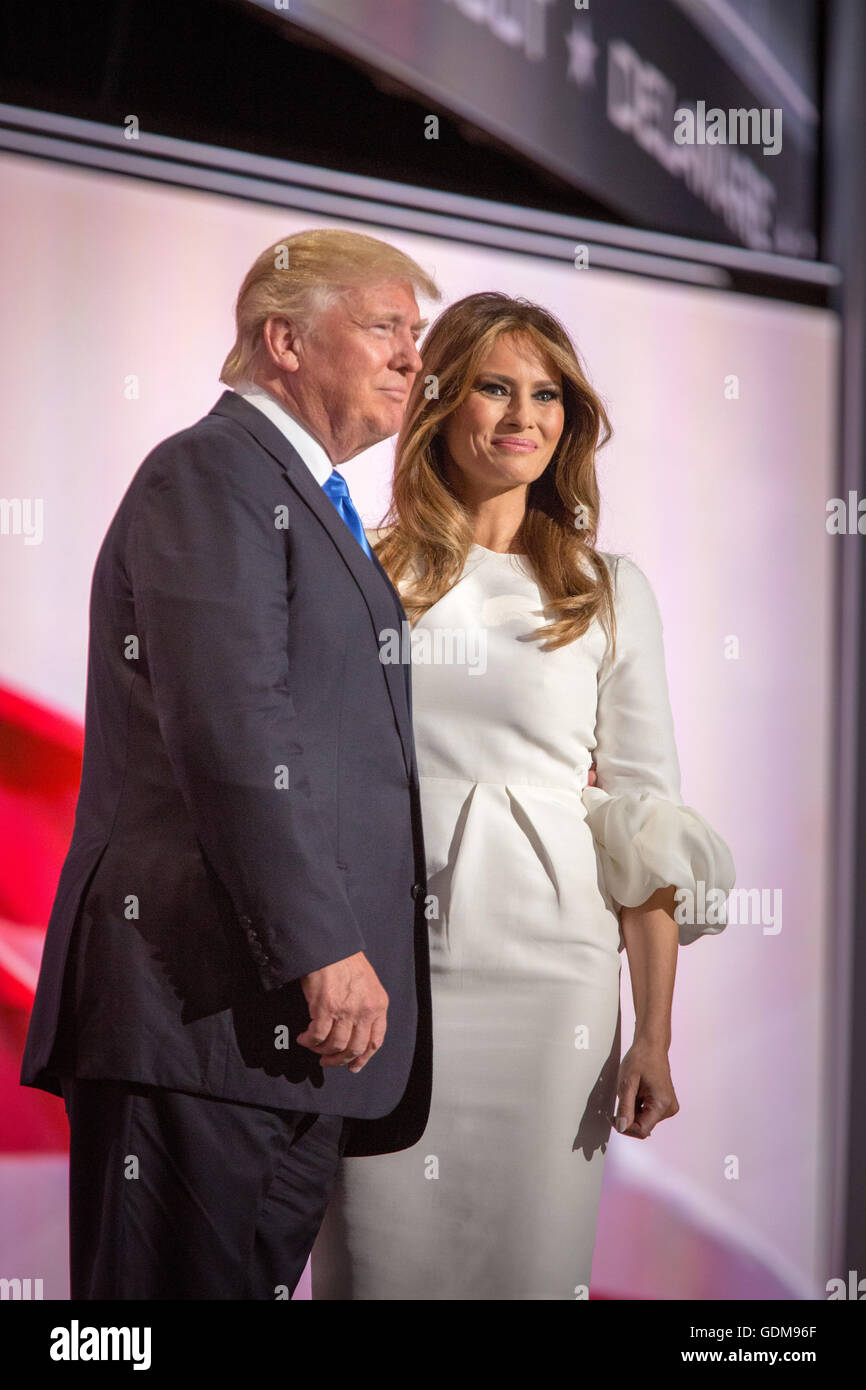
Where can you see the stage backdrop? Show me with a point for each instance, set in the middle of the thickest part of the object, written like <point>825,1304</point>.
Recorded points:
<point>118,299</point>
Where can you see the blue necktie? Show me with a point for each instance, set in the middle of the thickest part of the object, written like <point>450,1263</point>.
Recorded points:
<point>338,491</point>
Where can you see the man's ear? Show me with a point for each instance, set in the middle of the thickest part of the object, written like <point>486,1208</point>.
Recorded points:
<point>282,342</point>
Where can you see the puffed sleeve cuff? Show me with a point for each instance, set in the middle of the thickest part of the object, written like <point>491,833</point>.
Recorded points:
<point>646,842</point>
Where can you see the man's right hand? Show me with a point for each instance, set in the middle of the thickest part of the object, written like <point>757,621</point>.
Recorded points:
<point>348,1009</point>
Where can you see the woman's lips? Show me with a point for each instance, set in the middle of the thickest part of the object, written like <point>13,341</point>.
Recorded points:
<point>516,446</point>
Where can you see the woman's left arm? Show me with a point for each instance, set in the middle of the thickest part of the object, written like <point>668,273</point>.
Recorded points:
<point>649,843</point>
<point>644,1085</point>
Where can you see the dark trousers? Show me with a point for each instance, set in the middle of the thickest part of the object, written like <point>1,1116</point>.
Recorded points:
<point>177,1196</point>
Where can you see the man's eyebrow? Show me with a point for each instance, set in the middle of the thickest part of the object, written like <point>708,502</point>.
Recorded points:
<point>398,318</point>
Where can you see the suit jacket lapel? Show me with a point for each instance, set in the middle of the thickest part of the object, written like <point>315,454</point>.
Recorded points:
<point>376,589</point>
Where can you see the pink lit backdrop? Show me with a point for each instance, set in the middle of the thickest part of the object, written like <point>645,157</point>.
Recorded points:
<point>106,280</point>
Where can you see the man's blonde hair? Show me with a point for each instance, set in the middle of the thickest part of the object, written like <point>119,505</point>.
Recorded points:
<point>303,274</point>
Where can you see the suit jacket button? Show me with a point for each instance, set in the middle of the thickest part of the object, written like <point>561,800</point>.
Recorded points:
<point>417,891</point>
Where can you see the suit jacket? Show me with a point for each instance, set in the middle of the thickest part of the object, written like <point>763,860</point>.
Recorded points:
<point>249,806</point>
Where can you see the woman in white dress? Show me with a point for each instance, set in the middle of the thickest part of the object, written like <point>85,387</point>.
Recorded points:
<point>536,879</point>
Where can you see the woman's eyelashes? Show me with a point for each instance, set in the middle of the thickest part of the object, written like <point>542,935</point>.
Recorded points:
<point>549,392</point>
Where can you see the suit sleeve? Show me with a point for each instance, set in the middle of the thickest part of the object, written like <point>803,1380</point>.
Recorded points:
<point>209,571</point>
<point>646,838</point>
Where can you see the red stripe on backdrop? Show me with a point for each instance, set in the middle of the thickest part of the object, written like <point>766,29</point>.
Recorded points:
<point>40,772</point>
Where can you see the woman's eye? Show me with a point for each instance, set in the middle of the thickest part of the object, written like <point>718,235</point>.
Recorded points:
<point>546,395</point>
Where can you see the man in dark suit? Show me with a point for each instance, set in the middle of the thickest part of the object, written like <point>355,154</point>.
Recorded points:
<point>234,990</point>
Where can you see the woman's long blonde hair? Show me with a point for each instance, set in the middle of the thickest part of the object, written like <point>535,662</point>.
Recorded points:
<point>430,530</point>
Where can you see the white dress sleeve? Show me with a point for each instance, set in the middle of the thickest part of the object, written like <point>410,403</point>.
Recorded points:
<point>645,837</point>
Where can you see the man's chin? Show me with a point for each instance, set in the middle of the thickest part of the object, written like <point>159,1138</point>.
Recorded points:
<point>385,424</point>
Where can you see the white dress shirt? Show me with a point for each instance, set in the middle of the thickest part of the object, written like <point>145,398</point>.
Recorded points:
<point>310,450</point>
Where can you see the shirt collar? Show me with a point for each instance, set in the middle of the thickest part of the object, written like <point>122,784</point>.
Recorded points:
<point>310,450</point>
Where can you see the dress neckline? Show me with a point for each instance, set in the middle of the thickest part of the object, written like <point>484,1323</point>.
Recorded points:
<point>505,554</point>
